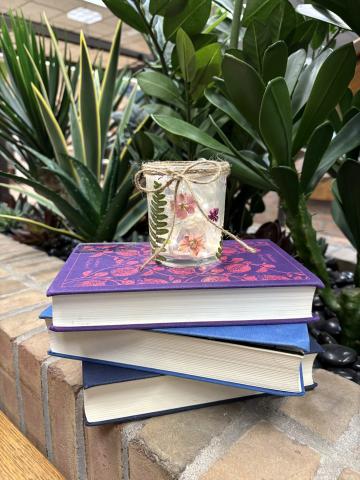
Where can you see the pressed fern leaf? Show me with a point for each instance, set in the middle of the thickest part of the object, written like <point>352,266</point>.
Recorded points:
<point>158,219</point>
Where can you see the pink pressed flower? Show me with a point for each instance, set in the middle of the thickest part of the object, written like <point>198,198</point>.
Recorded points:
<point>184,206</point>
<point>192,244</point>
<point>214,214</point>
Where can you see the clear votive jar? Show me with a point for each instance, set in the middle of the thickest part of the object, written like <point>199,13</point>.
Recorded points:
<point>182,215</point>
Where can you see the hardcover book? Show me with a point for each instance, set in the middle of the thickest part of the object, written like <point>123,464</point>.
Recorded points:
<point>268,359</point>
<point>103,285</point>
<point>118,394</point>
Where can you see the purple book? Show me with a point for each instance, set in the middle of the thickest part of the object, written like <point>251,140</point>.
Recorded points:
<point>101,285</point>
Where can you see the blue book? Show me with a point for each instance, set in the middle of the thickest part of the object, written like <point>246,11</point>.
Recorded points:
<point>119,394</point>
<point>250,357</point>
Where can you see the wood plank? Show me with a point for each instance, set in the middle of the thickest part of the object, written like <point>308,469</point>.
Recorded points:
<point>19,459</point>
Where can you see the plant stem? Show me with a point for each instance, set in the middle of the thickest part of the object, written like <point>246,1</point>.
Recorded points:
<point>188,118</point>
<point>236,24</point>
<point>154,39</point>
<point>308,249</point>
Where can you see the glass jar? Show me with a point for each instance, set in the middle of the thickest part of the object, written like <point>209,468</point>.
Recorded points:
<point>186,209</point>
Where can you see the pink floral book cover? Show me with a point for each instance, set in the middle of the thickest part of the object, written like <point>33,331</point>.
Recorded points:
<point>115,267</point>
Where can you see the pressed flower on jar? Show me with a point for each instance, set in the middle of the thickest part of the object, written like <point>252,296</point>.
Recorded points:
<point>192,244</point>
<point>213,215</point>
<point>185,205</point>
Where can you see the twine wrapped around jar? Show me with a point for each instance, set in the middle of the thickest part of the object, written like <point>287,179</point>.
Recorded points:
<point>200,172</point>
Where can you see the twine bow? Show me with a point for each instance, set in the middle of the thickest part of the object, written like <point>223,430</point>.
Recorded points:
<point>189,175</point>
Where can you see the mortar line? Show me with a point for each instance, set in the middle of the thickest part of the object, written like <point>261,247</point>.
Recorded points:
<point>128,433</point>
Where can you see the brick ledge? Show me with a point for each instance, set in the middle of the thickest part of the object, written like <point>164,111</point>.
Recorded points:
<point>313,437</point>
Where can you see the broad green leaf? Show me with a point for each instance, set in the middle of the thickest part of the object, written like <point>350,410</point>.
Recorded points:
<point>89,112</point>
<point>348,10</point>
<point>116,208</point>
<point>258,9</point>
<point>158,7</point>
<point>73,215</point>
<point>294,67</point>
<point>306,81</point>
<point>55,134</point>
<point>320,36</point>
<point>287,182</point>
<point>246,175</point>
<point>321,14</point>
<point>348,179</point>
<point>192,17</point>
<point>186,55</point>
<point>301,35</point>
<point>158,108</point>
<point>157,85</point>
<point>76,131</point>
<point>330,84</point>
<point>131,218</point>
<point>248,161</point>
<point>245,88</point>
<point>124,10</point>
<point>208,63</point>
<point>35,196</point>
<point>229,108</point>
<point>80,199</point>
<point>274,61</point>
<point>256,40</point>
<point>60,231</point>
<point>339,216</point>
<point>346,140</point>
<point>186,130</point>
<point>276,121</point>
<point>318,143</point>
<point>107,91</point>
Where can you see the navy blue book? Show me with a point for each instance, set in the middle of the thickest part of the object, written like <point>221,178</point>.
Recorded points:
<point>118,394</point>
<point>264,358</point>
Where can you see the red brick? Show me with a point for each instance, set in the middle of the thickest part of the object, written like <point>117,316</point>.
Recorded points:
<point>64,384</point>
<point>34,418</point>
<point>103,452</point>
<point>8,398</point>
<point>12,327</point>
<point>32,352</point>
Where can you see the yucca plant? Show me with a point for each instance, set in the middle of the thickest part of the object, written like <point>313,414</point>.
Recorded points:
<point>97,202</point>
<point>27,62</point>
<point>285,105</point>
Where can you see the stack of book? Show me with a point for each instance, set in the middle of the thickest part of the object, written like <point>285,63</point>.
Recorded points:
<point>163,339</point>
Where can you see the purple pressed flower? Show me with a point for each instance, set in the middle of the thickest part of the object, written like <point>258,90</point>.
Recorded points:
<point>214,214</point>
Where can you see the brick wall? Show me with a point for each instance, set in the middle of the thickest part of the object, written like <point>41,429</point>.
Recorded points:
<point>316,437</point>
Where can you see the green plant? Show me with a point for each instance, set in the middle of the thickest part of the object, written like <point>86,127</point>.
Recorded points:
<point>187,40</point>
<point>97,202</point>
<point>27,63</point>
<point>346,213</point>
<point>346,12</point>
<point>286,106</point>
